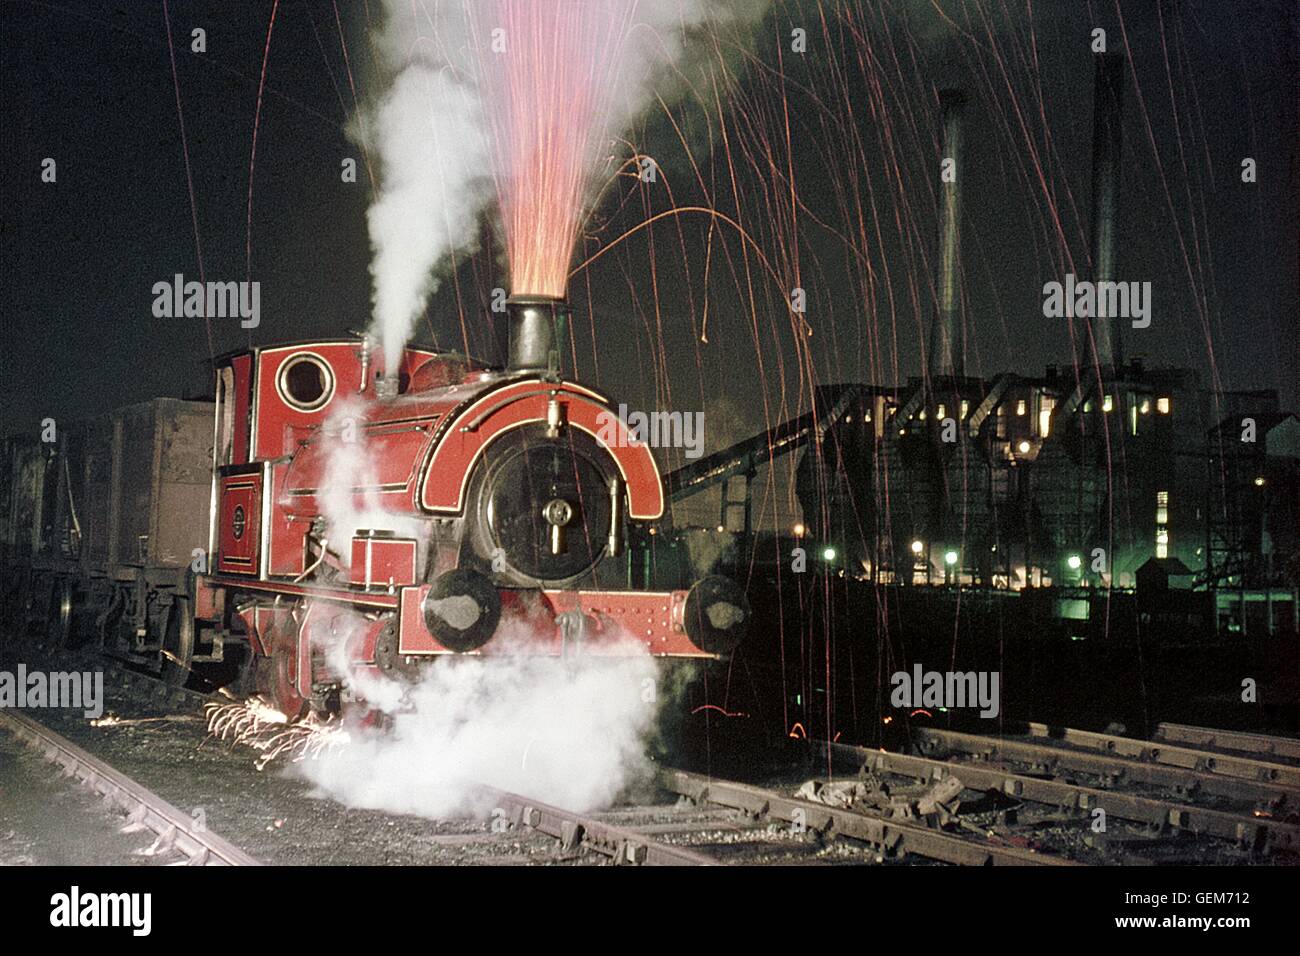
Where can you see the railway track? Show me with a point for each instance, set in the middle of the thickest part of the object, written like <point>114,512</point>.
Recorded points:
<point>1246,826</point>
<point>1132,762</point>
<point>892,839</point>
<point>1208,738</point>
<point>621,845</point>
<point>1215,762</point>
<point>174,830</point>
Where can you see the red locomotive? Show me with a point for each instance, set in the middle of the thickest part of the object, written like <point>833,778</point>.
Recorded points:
<point>394,517</point>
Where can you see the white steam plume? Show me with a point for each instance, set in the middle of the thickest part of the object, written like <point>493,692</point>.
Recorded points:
<point>432,152</point>
<point>566,731</point>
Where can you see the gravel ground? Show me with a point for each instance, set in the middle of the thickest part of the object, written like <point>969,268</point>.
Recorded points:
<point>50,820</point>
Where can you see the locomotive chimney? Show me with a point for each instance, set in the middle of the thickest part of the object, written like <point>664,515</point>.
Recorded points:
<point>538,327</point>
<point>946,352</point>
<point>1107,116</point>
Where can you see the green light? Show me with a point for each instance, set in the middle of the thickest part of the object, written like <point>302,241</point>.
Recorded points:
<point>1075,562</point>
<point>829,554</point>
<point>950,557</point>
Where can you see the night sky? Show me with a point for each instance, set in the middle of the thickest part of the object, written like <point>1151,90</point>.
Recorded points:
<point>91,85</point>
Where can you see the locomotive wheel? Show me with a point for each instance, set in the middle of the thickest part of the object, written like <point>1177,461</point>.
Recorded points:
<point>271,677</point>
<point>178,643</point>
<point>462,610</point>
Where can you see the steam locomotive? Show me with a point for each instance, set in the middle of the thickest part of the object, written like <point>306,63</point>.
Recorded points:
<point>353,517</point>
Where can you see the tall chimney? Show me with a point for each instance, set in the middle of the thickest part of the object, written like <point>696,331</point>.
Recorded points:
<point>1107,127</point>
<point>537,333</point>
<point>947,340</point>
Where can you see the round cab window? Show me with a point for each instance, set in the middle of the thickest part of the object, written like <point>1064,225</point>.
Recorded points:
<point>306,382</point>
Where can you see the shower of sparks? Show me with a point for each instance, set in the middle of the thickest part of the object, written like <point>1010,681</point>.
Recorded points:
<point>255,723</point>
<point>551,68</point>
<point>112,720</point>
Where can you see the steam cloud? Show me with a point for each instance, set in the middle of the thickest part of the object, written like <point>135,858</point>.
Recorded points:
<point>564,731</point>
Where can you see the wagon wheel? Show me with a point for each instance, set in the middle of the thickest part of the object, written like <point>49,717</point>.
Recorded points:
<point>178,642</point>
<point>58,617</point>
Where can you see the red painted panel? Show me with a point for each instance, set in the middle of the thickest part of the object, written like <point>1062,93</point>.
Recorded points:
<point>381,561</point>
<point>275,419</point>
<point>464,439</point>
<point>242,365</point>
<point>287,534</point>
<point>209,599</point>
<point>239,536</point>
<point>618,619</point>
<point>392,454</point>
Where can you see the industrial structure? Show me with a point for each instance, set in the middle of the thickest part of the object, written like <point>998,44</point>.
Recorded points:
<point>1075,479</point>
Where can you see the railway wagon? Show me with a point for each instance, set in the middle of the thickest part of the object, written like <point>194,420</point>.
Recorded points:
<point>104,526</point>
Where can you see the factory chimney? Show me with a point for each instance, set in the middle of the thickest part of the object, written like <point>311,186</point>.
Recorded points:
<point>947,340</point>
<point>537,333</point>
<point>1107,123</point>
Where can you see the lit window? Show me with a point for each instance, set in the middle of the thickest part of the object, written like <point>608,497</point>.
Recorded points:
<point>1162,405</point>
<point>965,407</point>
<point>1020,407</point>
<point>1108,403</point>
<point>1162,524</point>
<point>1146,406</point>
<point>943,410</point>
<point>1045,422</point>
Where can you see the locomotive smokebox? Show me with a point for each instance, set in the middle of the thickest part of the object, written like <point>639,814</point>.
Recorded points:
<point>538,329</point>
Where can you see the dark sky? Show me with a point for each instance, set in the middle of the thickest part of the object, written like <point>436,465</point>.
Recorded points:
<point>91,85</point>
